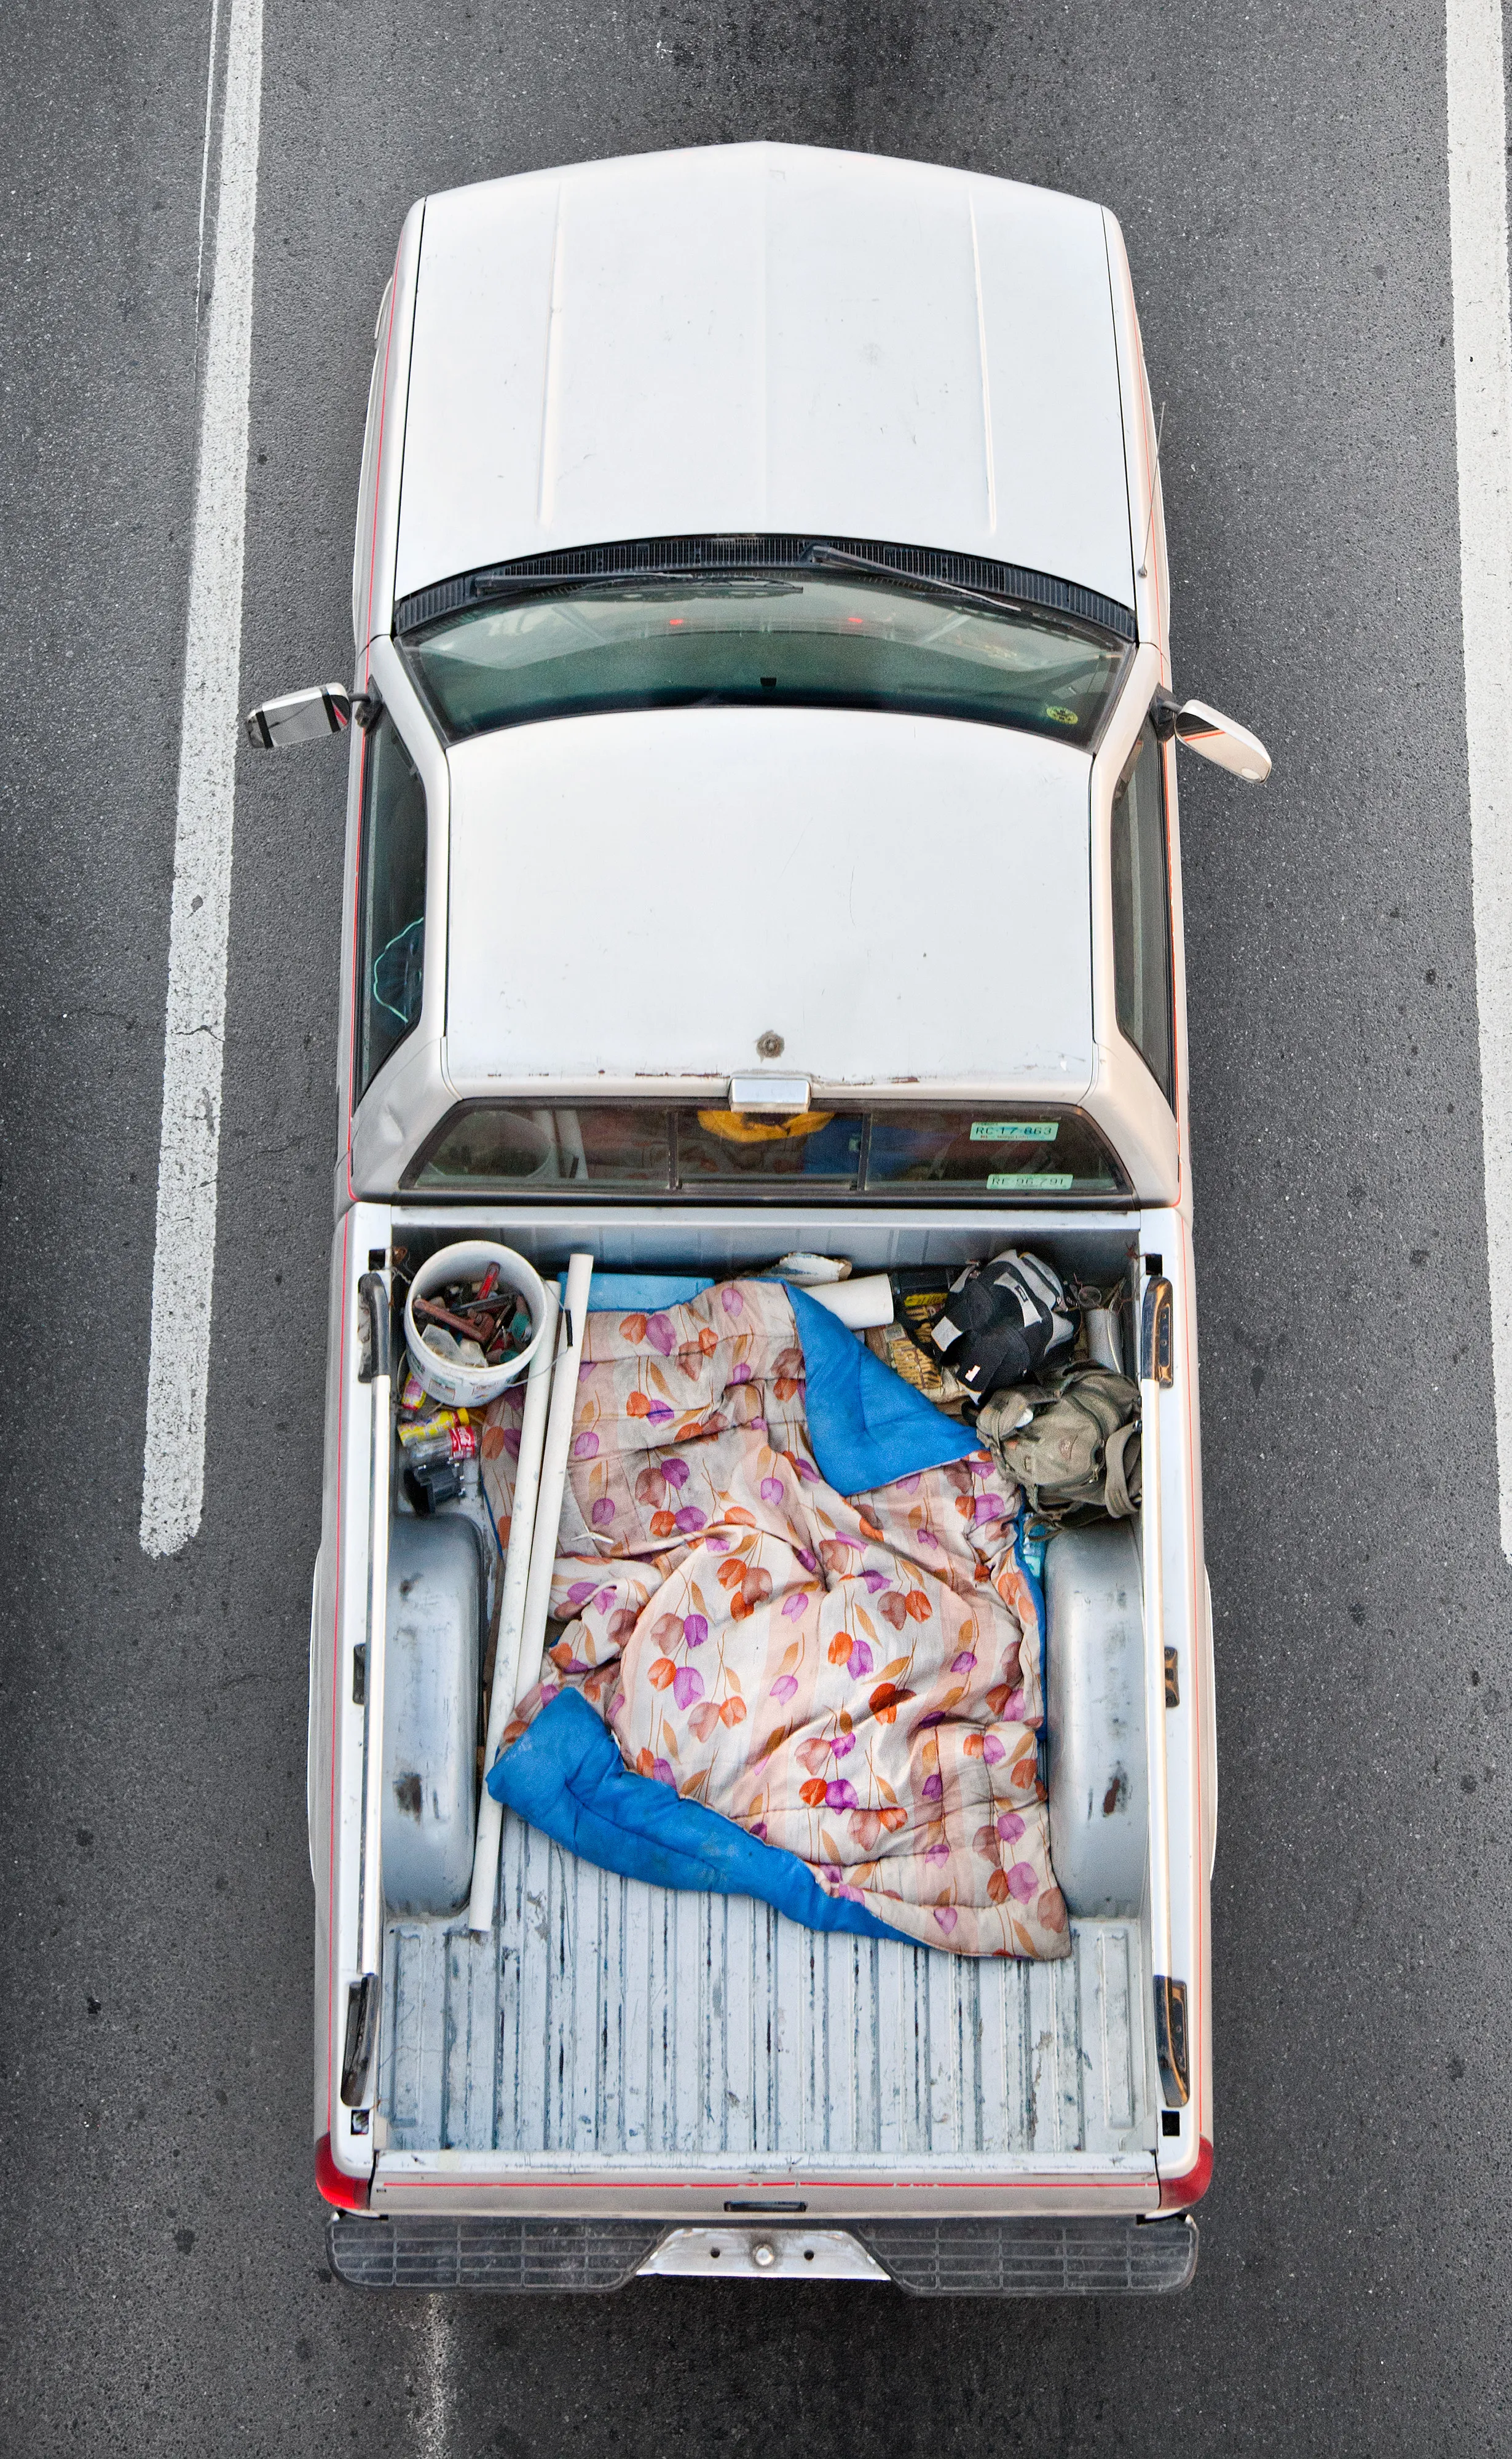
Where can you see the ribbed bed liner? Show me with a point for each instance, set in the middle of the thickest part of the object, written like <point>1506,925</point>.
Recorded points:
<point>607,2022</point>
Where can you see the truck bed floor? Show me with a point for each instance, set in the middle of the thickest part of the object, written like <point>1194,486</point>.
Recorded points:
<point>605,2024</point>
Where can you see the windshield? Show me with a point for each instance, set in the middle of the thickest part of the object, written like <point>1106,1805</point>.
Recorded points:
<point>805,640</point>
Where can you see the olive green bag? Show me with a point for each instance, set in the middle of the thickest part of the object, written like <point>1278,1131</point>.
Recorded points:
<point>1079,1453</point>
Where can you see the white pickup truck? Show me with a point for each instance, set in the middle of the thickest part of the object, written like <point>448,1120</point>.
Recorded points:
<point>761,610</point>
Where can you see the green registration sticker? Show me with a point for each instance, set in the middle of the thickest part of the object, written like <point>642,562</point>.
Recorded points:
<point>1041,1182</point>
<point>1015,1132</point>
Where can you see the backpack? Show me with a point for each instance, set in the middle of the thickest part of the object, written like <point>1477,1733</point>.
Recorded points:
<point>1001,1320</point>
<point>1078,1451</point>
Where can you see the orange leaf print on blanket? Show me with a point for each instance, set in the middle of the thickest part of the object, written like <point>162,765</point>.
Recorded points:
<point>787,1373</point>
<point>812,1793</point>
<point>662,1674</point>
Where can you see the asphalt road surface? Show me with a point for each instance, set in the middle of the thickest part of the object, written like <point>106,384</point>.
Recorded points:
<point>1280,172</point>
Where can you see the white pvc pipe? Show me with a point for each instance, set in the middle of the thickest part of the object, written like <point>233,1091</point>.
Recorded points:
<point>512,1608</point>
<point>552,1480</point>
<point>861,1305</point>
<point>1154,1570</point>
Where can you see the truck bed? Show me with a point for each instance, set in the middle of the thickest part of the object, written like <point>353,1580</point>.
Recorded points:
<point>614,2048</point>
<point>607,2023</point>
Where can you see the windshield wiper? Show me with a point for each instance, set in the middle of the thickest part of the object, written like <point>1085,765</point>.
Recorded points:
<point>817,551</point>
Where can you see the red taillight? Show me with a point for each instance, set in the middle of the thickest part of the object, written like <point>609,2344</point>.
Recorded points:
<point>334,2185</point>
<point>1177,2194</point>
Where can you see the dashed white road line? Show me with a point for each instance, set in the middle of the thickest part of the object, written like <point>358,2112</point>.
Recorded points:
<point>1482,367</point>
<point>437,2386</point>
<point>183,1264</point>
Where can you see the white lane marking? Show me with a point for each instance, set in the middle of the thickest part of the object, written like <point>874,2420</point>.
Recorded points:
<point>438,2380</point>
<point>1483,364</point>
<point>183,1265</point>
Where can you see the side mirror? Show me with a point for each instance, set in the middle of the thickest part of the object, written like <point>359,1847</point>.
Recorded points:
<point>300,717</point>
<point>1216,737</point>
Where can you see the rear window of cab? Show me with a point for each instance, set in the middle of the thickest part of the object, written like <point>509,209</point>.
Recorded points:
<point>1010,1154</point>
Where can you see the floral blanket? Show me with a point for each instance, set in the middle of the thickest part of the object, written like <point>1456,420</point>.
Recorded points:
<point>855,1679</point>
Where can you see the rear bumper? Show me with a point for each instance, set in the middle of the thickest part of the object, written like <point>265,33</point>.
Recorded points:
<point>945,2258</point>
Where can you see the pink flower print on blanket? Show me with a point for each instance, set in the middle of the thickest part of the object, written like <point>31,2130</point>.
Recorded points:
<point>854,1679</point>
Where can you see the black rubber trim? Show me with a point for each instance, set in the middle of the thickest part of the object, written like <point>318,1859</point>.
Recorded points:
<point>1013,582</point>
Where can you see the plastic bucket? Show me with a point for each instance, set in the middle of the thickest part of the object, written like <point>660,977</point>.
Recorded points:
<point>447,1378</point>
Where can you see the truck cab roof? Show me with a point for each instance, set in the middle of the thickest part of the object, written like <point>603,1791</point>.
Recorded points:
<point>642,896</point>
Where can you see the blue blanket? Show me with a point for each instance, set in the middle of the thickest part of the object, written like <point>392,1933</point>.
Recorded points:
<point>866,1426</point>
